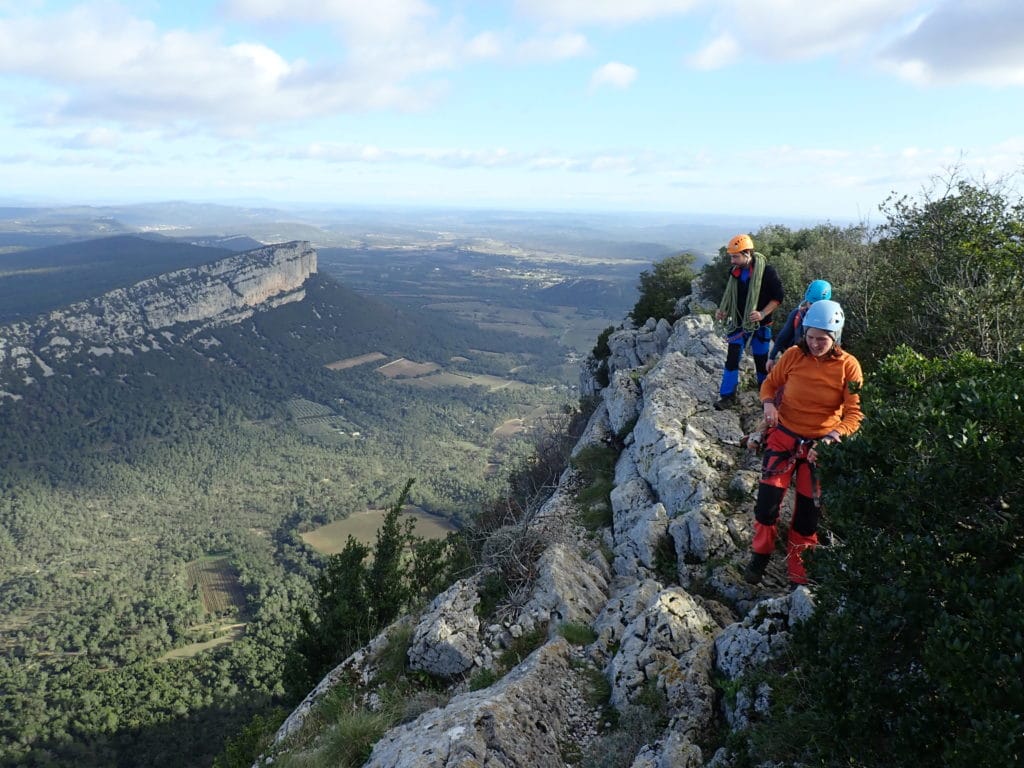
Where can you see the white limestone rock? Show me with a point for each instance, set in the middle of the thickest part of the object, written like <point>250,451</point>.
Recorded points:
<point>446,641</point>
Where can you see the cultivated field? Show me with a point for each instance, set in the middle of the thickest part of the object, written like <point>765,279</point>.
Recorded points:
<point>448,379</point>
<point>231,633</point>
<point>320,421</point>
<point>330,539</point>
<point>307,409</point>
<point>218,584</point>
<point>406,369</point>
<point>352,362</point>
<point>510,427</point>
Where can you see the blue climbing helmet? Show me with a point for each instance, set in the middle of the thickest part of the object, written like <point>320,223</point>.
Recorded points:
<point>826,315</point>
<point>818,290</point>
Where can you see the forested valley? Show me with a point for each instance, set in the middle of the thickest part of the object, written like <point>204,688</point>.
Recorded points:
<point>119,488</point>
<point>218,458</point>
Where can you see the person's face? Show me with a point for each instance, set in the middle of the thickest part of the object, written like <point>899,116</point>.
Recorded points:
<point>740,259</point>
<point>818,341</point>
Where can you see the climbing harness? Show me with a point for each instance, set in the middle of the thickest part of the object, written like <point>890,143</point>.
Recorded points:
<point>784,463</point>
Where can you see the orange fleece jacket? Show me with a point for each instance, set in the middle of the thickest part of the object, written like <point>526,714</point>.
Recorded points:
<point>816,396</point>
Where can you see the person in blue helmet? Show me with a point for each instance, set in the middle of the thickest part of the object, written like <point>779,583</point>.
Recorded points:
<point>820,405</point>
<point>753,291</point>
<point>793,329</point>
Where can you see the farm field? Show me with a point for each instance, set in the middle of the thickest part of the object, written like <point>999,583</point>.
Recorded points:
<point>330,539</point>
<point>218,585</point>
<point>404,369</point>
<point>320,421</point>
<point>352,362</point>
<point>448,379</point>
<point>231,632</point>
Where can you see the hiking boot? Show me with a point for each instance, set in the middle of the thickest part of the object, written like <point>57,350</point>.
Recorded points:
<point>755,568</point>
<point>726,402</point>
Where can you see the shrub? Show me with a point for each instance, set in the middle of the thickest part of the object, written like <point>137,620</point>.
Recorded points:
<point>601,349</point>
<point>577,634</point>
<point>917,636</point>
<point>241,750</point>
<point>669,280</point>
<point>522,647</point>
<point>596,465</point>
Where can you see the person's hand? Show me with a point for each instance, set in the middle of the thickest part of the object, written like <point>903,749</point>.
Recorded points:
<point>769,364</point>
<point>829,439</point>
<point>771,414</point>
<point>756,316</point>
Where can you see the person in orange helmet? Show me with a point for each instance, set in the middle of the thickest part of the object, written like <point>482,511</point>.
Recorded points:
<point>753,291</point>
<point>810,399</point>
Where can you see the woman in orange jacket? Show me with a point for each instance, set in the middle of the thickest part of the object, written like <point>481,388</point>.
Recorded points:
<point>815,384</point>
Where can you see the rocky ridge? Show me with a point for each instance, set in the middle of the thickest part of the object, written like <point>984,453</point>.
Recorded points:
<point>682,481</point>
<point>166,309</point>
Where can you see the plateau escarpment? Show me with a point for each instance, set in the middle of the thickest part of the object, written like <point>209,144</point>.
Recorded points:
<point>166,309</point>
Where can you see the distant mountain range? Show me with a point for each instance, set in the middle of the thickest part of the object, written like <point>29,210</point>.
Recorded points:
<point>621,234</point>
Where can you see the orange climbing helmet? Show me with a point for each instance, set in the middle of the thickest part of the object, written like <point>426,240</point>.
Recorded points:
<point>740,243</point>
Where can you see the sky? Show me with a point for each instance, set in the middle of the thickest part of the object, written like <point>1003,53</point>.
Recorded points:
<point>817,109</point>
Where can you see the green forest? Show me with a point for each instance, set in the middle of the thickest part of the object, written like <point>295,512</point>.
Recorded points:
<point>117,481</point>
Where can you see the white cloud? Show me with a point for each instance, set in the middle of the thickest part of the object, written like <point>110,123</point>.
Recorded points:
<point>961,43</point>
<point>566,46</point>
<point>614,74</point>
<point>101,63</point>
<point>486,45</point>
<point>799,29</point>
<point>720,52</point>
<point>488,158</point>
<point>379,20</point>
<point>94,138</point>
<point>604,11</point>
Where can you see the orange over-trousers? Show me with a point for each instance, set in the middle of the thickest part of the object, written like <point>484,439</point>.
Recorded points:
<point>785,456</point>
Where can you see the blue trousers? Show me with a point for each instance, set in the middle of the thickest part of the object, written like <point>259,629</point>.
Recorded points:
<point>760,341</point>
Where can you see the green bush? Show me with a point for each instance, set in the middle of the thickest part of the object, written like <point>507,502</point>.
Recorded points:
<point>521,647</point>
<point>946,272</point>
<point>914,653</point>
<point>601,350</point>
<point>596,465</point>
<point>241,750</point>
<point>577,633</point>
<point>485,678</point>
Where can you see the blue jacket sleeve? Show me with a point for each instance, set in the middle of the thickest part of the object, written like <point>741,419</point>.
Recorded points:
<point>785,339</point>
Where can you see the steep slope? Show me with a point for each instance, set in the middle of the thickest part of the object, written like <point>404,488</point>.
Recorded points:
<point>36,281</point>
<point>190,419</point>
<point>140,317</point>
<point>659,589</point>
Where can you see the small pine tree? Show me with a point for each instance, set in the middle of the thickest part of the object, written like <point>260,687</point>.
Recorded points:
<point>353,600</point>
<point>660,288</point>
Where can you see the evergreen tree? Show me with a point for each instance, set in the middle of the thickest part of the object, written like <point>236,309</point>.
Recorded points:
<point>661,286</point>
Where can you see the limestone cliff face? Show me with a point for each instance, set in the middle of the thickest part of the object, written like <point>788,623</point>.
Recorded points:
<point>681,482</point>
<point>167,308</point>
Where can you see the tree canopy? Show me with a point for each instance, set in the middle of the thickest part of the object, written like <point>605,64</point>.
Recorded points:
<point>661,286</point>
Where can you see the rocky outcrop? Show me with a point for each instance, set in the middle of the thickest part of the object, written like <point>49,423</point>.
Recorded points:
<point>522,721</point>
<point>660,588</point>
<point>156,312</point>
<point>447,639</point>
